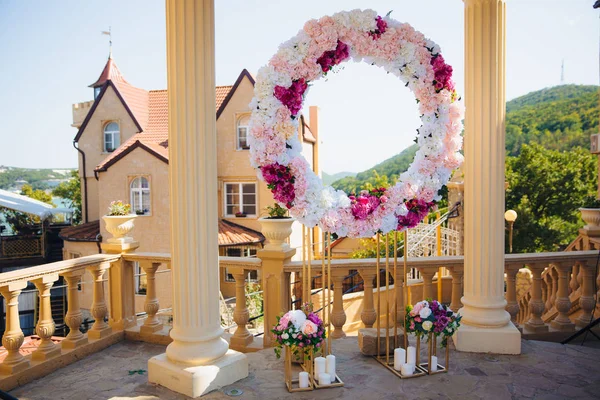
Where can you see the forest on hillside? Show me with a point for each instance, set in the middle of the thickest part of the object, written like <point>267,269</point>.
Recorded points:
<point>549,167</point>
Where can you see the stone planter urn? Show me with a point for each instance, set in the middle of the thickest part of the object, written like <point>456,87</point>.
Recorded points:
<point>119,226</point>
<point>276,230</point>
<point>591,216</point>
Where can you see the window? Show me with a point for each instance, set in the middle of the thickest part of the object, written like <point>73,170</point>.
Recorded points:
<point>140,278</point>
<point>252,275</point>
<point>112,139</point>
<point>242,133</point>
<point>240,198</point>
<point>140,196</point>
<point>97,91</point>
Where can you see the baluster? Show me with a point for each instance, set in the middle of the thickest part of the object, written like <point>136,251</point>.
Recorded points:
<point>554,274</point>
<point>586,301</point>
<point>562,322</point>
<point>338,315</point>
<point>548,283</point>
<point>427,276</point>
<point>511,291</point>
<point>100,328</point>
<point>241,337</point>
<point>457,273</point>
<point>151,306</point>
<point>579,276</point>
<point>598,286</point>
<point>573,284</point>
<point>74,317</point>
<point>536,305</point>
<point>45,325</point>
<point>368,314</point>
<point>13,335</point>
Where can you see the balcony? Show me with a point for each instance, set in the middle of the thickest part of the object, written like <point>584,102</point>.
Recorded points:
<point>110,359</point>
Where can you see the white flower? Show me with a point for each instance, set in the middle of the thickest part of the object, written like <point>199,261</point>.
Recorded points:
<point>297,317</point>
<point>285,336</point>
<point>425,312</point>
<point>427,325</point>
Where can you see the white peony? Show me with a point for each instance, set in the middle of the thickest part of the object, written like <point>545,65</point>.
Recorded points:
<point>425,312</point>
<point>427,325</point>
<point>297,317</point>
<point>285,336</point>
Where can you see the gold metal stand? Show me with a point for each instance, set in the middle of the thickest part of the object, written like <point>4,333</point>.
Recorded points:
<point>293,384</point>
<point>387,360</point>
<point>432,351</point>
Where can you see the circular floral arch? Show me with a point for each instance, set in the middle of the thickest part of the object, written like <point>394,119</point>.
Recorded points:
<point>275,150</point>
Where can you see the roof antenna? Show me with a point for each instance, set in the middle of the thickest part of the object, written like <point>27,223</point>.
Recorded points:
<point>562,72</point>
<point>109,33</point>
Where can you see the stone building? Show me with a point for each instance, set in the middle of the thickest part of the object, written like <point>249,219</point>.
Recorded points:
<point>122,140</point>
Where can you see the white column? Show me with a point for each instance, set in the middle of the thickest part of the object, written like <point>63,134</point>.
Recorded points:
<point>198,360</point>
<point>486,323</point>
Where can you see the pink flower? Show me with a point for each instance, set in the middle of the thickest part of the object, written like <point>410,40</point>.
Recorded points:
<point>309,328</point>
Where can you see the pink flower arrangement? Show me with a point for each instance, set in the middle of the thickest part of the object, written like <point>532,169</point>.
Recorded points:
<point>292,97</point>
<point>279,92</point>
<point>333,57</point>
<point>298,329</point>
<point>431,317</point>
<point>417,211</point>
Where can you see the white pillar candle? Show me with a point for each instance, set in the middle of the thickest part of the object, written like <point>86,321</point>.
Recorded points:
<point>320,366</point>
<point>330,366</point>
<point>433,363</point>
<point>412,355</point>
<point>399,358</point>
<point>324,378</point>
<point>303,379</point>
<point>407,369</point>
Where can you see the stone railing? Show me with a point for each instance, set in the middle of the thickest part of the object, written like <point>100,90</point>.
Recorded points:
<point>554,276</point>
<point>15,367</point>
<point>561,297</point>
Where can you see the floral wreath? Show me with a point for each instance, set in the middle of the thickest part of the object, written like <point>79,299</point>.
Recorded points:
<point>275,150</point>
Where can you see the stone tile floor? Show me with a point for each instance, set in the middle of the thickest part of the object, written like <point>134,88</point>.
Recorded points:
<point>543,371</point>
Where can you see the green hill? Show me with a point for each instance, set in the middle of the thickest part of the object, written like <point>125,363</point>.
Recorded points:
<point>329,179</point>
<point>559,118</point>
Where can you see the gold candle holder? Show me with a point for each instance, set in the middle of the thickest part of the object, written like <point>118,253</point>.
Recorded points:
<point>432,351</point>
<point>387,360</point>
<point>293,384</point>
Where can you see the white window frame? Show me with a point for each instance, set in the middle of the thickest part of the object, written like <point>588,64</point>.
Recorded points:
<point>113,134</point>
<point>241,197</point>
<point>140,190</point>
<point>237,130</point>
<point>245,252</point>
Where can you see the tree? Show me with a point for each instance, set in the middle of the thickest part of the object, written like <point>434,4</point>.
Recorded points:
<point>546,188</point>
<point>71,191</point>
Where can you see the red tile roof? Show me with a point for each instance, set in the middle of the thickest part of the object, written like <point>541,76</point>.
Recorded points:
<point>88,232</point>
<point>30,344</point>
<point>231,234</point>
<point>110,72</point>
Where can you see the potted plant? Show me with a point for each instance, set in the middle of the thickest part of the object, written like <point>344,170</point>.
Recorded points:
<point>119,222</point>
<point>590,212</point>
<point>240,214</point>
<point>276,227</point>
<point>140,212</point>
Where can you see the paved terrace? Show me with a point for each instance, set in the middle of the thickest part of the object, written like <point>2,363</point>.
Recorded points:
<point>543,371</point>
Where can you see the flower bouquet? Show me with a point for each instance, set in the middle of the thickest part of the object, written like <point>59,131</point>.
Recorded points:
<point>299,330</point>
<point>432,319</point>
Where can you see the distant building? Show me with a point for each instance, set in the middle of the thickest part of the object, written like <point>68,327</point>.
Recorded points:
<point>122,140</point>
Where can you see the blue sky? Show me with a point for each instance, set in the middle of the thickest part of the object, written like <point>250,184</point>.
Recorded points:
<point>51,52</point>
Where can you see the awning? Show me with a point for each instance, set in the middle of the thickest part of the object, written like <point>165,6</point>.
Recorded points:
<point>28,205</point>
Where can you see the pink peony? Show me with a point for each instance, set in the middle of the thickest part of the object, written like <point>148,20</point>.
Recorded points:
<point>309,328</point>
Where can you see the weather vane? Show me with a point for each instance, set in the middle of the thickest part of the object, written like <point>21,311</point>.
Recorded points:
<point>109,33</point>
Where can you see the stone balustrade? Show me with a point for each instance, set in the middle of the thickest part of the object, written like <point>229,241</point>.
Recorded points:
<point>558,278</point>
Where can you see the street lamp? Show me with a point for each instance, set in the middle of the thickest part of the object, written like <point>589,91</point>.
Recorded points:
<point>510,216</point>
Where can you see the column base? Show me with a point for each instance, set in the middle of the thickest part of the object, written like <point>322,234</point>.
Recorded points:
<point>197,381</point>
<point>99,333</point>
<point>240,342</point>
<point>536,328</point>
<point>46,354</point>
<point>74,343</point>
<point>150,329</point>
<point>504,340</point>
<point>562,326</point>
